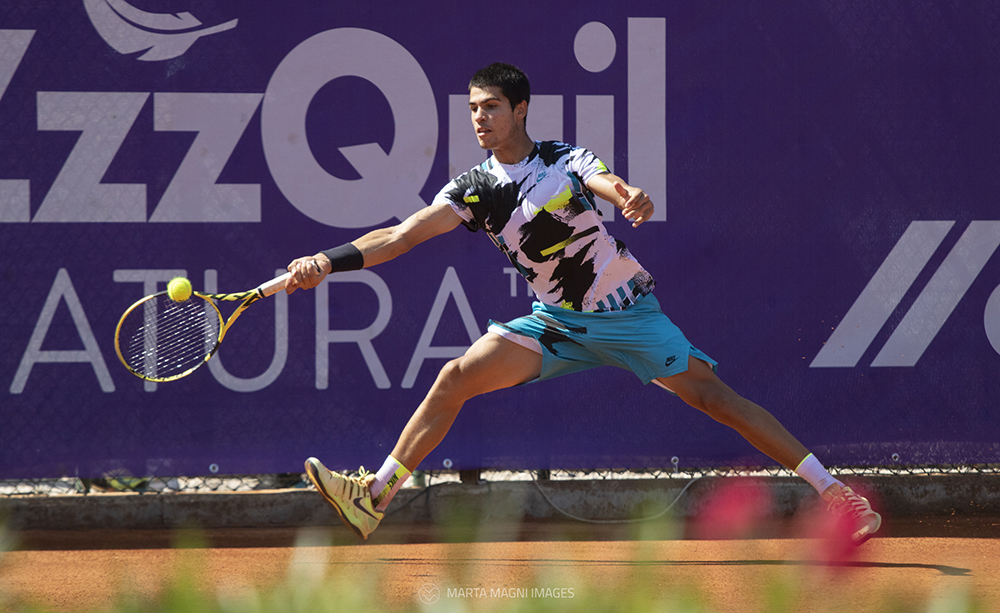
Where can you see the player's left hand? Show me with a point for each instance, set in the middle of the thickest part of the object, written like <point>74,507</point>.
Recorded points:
<point>637,206</point>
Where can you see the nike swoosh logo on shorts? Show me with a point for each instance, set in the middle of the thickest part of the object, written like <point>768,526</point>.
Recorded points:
<point>362,509</point>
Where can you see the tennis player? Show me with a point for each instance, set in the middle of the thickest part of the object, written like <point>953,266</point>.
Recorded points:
<point>595,306</point>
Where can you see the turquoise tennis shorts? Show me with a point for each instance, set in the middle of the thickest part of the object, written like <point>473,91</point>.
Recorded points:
<point>640,339</point>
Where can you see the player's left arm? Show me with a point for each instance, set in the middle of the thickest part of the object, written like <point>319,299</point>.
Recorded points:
<point>633,202</point>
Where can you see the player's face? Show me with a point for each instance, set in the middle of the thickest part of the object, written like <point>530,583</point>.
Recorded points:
<point>495,122</point>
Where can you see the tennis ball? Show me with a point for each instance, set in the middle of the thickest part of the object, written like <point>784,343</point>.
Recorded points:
<point>179,289</point>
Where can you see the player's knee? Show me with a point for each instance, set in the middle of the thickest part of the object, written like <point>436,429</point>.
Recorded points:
<point>450,374</point>
<point>453,381</point>
<point>723,405</point>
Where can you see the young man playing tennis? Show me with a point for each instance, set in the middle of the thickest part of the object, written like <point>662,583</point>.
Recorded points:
<point>594,302</point>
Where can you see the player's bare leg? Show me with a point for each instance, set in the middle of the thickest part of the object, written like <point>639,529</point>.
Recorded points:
<point>702,389</point>
<point>491,363</point>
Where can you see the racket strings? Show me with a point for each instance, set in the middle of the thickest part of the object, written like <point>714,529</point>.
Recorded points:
<point>161,339</point>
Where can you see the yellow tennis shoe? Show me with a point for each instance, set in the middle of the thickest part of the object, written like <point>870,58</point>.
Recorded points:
<point>350,496</point>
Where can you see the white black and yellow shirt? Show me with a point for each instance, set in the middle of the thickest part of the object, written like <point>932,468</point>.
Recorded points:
<point>540,213</point>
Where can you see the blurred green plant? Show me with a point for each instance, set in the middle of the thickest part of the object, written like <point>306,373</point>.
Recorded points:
<point>314,583</point>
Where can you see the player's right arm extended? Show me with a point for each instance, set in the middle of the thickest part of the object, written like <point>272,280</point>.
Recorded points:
<point>379,245</point>
<point>385,244</point>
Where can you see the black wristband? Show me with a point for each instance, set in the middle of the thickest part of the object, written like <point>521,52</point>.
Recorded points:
<point>345,257</point>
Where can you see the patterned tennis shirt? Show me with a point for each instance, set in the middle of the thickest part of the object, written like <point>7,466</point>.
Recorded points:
<point>540,213</point>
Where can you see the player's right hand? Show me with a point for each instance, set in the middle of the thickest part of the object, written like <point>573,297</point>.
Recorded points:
<point>307,272</point>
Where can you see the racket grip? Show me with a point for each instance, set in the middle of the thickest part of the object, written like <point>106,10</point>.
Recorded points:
<point>274,286</point>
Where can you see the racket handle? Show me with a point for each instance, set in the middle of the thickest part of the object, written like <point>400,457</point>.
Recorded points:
<point>274,286</point>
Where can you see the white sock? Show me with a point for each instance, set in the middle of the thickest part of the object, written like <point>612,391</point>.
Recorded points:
<point>387,482</point>
<point>812,471</point>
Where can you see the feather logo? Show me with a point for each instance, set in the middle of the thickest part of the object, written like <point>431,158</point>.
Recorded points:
<point>162,36</point>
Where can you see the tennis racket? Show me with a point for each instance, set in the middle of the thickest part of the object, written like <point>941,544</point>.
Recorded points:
<point>159,339</point>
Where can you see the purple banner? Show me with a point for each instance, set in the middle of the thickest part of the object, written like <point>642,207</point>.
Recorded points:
<point>825,176</point>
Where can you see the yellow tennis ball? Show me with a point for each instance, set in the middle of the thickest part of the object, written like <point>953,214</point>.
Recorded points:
<point>179,289</point>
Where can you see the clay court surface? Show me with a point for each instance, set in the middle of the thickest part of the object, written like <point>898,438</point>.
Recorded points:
<point>487,567</point>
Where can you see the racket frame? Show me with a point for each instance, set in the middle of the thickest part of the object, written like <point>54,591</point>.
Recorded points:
<point>248,297</point>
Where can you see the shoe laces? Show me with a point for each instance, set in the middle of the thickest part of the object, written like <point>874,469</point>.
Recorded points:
<point>363,479</point>
<point>851,503</point>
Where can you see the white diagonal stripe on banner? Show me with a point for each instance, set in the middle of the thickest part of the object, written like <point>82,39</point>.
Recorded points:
<point>936,302</point>
<point>882,294</point>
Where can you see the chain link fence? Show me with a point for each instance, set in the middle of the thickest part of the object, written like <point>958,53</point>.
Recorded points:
<point>154,486</point>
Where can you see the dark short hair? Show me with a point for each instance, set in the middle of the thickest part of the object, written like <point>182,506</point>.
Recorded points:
<point>511,80</point>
